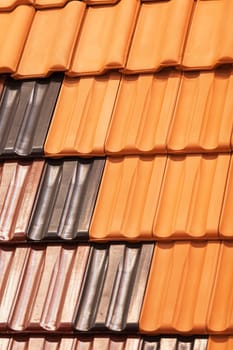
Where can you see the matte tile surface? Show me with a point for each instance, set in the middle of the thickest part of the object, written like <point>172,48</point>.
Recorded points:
<point>179,289</point>
<point>65,199</point>
<point>82,116</point>
<point>128,198</point>
<point>26,108</point>
<point>220,343</point>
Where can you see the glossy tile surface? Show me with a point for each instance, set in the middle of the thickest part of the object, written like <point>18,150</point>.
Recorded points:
<point>40,286</point>
<point>142,114</point>
<point>82,116</point>
<point>18,185</point>
<point>65,199</point>
<point>128,198</point>
<point>179,288</point>
<point>191,197</point>
<point>26,108</point>
<point>114,287</point>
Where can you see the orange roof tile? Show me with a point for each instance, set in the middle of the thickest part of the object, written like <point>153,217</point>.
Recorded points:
<point>50,3</point>
<point>10,4</point>
<point>159,35</point>
<point>220,343</point>
<point>15,26</point>
<point>210,39</point>
<point>220,319</point>
<point>203,117</point>
<point>18,186</point>
<point>82,115</point>
<point>191,197</point>
<point>143,113</point>
<point>50,50</point>
<point>127,198</point>
<point>179,288</point>
<point>100,47</point>
<point>101,2</point>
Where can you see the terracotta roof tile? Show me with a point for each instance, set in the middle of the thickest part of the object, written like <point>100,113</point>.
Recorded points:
<point>159,35</point>
<point>220,317</point>
<point>40,286</point>
<point>15,26</point>
<point>25,105</point>
<point>82,116</point>
<point>18,186</point>
<point>191,197</point>
<point>203,116</point>
<point>210,39</point>
<point>127,198</point>
<point>11,4</point>
<point>47,51</point>
<point>143,113</point>
<point>99,50</point>
<point>50,3</point>
<point>179,288</point>
<point>101,2</point>
<point>220,343</point>
<point>65,199</point>
<point>111,297</point>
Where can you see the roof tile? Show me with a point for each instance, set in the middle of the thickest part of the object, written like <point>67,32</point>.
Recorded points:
<point>159,35</point>
<point>25,105</point>
<point>191,197</point>
<point>18,186</point>
<point>111,296</point>
<point>11,4</point>
<point>99,50</point>
<point>82,116</point>
<point>205,47</point>
<point>65,199</point>
<point>220,319</point>
<point>101,2</point>
<point>127,198</point>
<point>220,343</point>
<point>47,51</point>
<point>50,3</point>
<point>179,288</point>
<point>15,26</point>
<point>203,116</point>
<point>143,113</point>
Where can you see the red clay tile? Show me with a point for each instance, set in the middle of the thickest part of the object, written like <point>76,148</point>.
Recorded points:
<point>220,318</point>
<point>100,47</point>
<point>226,222</point>
<point>127,198</point>
<point>179,288</point>
<point>191,197</point>
<point>50,50</point>
<point>101,2</point>
<point>82,116</point>
<point>220,343</point>
<point>142,114</point>
<point>50,3</point>
<point>159,35</point>
<point>18,186</point>
<point>210,39</point>
<point>203,116</point>
<point>15,26</point>
<point>11,4</point>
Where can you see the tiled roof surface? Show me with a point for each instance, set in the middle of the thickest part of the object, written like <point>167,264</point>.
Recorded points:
<point>134,100</point>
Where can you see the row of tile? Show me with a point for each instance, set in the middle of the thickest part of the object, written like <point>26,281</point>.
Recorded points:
<point>153,35</point>
<point>128,198</point>
<point>114,343</point>
<point>101,287</point>
<point>6,5</point>
<point>114,114</point>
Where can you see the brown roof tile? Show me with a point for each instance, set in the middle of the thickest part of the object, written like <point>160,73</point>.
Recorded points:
<point>203,117</point>
<point>18,186</point>
<point>191,197</point>
<point>127,198</point>
<point>50,50</point>
<point>15,26</point>
<point>210,39</point>
<point>143,113</point>
<point>179,288</point>
<point>159,35</point>
<point>82,116</point>
<point>100,47</point>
